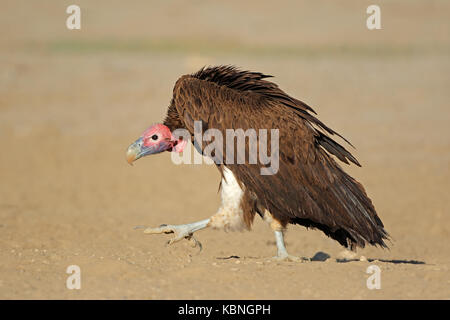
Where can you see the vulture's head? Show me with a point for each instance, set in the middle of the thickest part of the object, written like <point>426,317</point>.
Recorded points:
<point>155,139</point>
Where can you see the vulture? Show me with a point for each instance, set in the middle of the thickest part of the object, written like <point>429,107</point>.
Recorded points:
<point>307,187</point>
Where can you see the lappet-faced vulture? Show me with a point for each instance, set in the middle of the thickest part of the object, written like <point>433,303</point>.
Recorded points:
<point>306,186</point>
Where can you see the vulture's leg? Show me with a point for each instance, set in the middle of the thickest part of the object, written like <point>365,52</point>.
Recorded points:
<point>282,254</point>
<point>275,225</point>
<point>182,231</point>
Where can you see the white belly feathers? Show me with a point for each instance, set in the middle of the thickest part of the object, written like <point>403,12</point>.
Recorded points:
<point>229,216</point>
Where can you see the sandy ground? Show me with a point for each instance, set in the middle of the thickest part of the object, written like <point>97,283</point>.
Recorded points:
<point>72,101</point>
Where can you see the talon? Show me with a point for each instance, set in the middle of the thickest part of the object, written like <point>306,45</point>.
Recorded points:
<point>160,229</point>
<point>195,243</point>
<point>152,230</point>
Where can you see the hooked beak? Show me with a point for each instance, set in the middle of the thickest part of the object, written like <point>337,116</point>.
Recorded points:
<point>137,150</point>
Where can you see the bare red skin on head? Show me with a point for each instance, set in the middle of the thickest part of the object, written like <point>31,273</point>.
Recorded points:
<point>163,135</point>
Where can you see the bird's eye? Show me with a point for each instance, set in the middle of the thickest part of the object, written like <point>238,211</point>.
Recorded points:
<point>154,137</point>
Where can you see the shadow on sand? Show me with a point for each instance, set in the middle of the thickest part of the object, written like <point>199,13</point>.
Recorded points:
<point>322,256</point>
<point>395,261</point>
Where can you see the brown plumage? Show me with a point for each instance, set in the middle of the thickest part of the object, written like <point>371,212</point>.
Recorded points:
<point>310,188</point>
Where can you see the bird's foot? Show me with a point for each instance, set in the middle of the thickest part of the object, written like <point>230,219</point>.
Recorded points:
<point>184,231</point>
<point>288,257</point>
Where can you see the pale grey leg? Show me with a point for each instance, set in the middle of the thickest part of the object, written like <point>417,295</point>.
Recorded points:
<point>281,248</point>
<point>282,253</point>
<point>182,231</point>
<point>277,227</point>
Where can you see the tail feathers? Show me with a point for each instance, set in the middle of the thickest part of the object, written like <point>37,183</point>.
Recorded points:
<point>351,220</point>
<point>365,226</point>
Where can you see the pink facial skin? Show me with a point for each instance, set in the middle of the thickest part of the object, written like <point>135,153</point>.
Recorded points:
<point>159,135</point>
